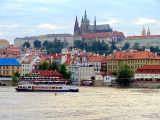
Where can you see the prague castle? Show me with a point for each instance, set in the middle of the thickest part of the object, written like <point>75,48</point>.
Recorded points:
<point>85,26</point>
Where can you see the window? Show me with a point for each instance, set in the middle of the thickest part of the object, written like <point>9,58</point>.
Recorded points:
<point>12,67</point>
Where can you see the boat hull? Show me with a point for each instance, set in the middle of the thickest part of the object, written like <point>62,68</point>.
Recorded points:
<point>27,90</point>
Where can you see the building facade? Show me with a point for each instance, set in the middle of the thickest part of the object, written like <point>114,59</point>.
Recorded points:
<point>146,39</point>
<point>134,59</point>
<point>42,38</point>
<point>8,66</point>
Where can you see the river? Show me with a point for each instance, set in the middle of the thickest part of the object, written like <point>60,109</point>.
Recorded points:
<point>91,103</point>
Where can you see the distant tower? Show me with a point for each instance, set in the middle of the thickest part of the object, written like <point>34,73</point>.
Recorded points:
<point>84,24</point>
<point>143,31</point>
<point>76,27</point>
<point>65,42</point>
<point>95,24</point>
<point>148,31</point>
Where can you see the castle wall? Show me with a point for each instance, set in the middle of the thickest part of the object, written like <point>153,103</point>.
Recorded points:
<point>20,41</point>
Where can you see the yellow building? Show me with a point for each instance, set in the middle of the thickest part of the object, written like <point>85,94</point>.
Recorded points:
<point>134,59</point>
<point>8,66</point>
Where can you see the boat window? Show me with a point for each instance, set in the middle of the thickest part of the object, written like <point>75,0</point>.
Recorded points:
<point>42,87</point>
<point>20,86</point>
<point>60,87</point>
<point>24,87</point>
<point>56,87</point>
<point>46,87</point>
<point>29,86</point>
<point>53,87</point>
<point>39,87</point>
<point>50,87</point>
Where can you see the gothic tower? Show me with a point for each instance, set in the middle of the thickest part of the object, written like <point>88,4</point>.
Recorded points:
<point>148,31</point>
<point>143,31</point>
<point>76,27</point>
<point>95,24</point>
<point>84,24</point>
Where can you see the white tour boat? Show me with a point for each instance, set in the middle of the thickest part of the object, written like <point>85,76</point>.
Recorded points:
<point>47,86</point>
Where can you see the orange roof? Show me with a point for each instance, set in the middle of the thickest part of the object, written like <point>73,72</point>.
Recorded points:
<point>95,58</point>
<point>103,35</point>
<point>144,36</point>
<point>134,55</point>
<point>70,60</point>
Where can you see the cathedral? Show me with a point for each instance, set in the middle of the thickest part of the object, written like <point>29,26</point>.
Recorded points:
<point>85,26</point>
<point>144,31</point>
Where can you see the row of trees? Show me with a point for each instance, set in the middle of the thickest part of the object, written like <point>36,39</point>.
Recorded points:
<point>61,68</point>
<point>51,47</point>
<point>96,46</point>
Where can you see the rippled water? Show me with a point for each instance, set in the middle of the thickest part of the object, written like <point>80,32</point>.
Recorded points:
<point>91,103</point>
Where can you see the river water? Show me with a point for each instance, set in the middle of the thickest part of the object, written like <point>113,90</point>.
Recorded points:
<point>91,103</point>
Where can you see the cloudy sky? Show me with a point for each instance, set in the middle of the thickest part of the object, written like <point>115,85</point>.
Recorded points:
<point>21,18</point>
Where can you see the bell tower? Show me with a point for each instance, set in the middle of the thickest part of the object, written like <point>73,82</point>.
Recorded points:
<point>143,31</point>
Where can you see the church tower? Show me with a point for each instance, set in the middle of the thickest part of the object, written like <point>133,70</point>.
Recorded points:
<point>76,27</point>
<point>84,23</point>
<point>143,31</point>
<point>148,31</point>
<point>95,24</point>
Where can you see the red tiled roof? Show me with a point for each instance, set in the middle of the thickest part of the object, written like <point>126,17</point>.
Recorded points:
<point>95,58</point>
<point>152,69</point>
<point>103,35</point>
<point>134,55</point>
<point>144,36</point>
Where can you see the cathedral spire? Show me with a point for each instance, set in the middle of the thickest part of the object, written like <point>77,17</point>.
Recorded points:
<point>95,20</point>
<point>76,27</point>
<point>143,31</point>
<point>85,16</point>
<point>82,19</point>
<point>148,31</point>
<point>95,23</point>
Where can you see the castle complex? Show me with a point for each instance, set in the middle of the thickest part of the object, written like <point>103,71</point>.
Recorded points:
<point>85,26</point>
<point>145,39</point>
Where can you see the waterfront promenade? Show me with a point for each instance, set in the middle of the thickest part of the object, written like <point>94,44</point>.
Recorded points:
<point>91,103</point>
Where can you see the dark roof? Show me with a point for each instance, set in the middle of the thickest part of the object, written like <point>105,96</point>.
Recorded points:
<point>9,62</point>
<point>99,27</point>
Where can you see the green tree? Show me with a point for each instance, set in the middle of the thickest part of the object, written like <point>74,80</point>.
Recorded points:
<point>67,75</point>
<point>63,70</point>
<point>113,46</point>
<point>124,76</point>
<point>50,50</point>
<point>136,46</point>
<point>27,75</point>
<point>126,46</point>
<point>44,66</point>
<point>37,44</point>
<point>27,44</point>
<point>153,49</point>
<point>54,66</point>
<point>17,74</point>
<point>14,80</point>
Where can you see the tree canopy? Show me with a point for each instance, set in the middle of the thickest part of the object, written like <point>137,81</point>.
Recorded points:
<point>54,66</point>
<point>123,76</point>
<point>27,44</point>
<point>37,44</point>
<point>96,46</point>
<point>126,46</point>
<point>43,66</point>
